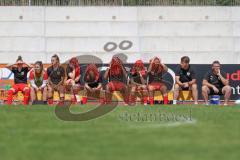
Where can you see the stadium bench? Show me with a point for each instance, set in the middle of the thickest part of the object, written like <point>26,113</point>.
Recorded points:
<point>117,96</point>
<point>185,96</point>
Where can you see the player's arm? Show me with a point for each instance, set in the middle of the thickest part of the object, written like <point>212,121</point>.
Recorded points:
<point>223,79</point>
<point>62,77</point>
<point>143,81</point>
<point>99,86</point>
<point>177,78</point>
<point>50,81</point>
<point>32,82</point>
<point>193,81</point>
<point>77,78</point>
<point>133,82</point>
<point>88,87</point>
<point>61,82</point>
<point>29,66</point>
<point>124,71</point>
<point>43,84</point>
<point>106,73</point>
<point>45,80</point>
<point>49,78</point>
<point>150,67</point>
<point>193,77</point>
<point>9,66</point>
<point>206,83</point>
<point>71,73</point>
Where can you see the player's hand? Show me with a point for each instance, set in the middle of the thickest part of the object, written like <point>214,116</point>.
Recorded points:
<point>218,72</point>
<point>215,89</point>
<point>90,89</point>
<point>140,74</point>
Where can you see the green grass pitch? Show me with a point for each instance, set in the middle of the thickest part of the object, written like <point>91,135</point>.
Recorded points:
<point>183,132</point>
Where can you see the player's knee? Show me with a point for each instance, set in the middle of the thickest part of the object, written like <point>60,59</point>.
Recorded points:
<point>176,87</point>
<point>50,89</point>
<point>144,86</point>
<point>45,89</point>
<point>32,90</point>
<point>194,87</point>
<point>150,88</point>
<point>204,89</point>
<point>61,89</point>
<point>133,89</point>
<point>109,88</point>
<point>164,88</point>
<point>228,89</point>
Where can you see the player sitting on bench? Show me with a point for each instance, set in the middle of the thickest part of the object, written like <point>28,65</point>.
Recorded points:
<point>156,70</point>
<point>215,83</point>
<point>38,81</point>
<point>185,80</point>
<point>20,70</point>
<point>93,85</point>
<point>138,82</point>
<point>73,78</point>
<point>117,76</point>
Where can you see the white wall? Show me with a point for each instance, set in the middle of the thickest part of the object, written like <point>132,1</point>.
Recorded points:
<point>203,33</point>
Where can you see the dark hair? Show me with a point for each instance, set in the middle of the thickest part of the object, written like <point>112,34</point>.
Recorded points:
<point>56,56</point>
<point>40,64</point>
<point>185,59</point>
<point>19,58</point>
<point>216,62</point>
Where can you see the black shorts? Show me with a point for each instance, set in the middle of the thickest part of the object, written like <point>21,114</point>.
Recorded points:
<point>185,88</point>
<point>213,93</point>
<point>93,85</point>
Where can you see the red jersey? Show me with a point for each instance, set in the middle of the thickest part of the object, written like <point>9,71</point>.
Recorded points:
<point>38,79</point>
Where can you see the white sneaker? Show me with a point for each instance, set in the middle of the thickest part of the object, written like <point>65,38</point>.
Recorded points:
<point>237,101</point>
<point>174,102</point>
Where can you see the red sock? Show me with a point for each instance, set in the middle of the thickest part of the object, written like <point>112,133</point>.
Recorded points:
<point>165,99</point>
<point>74,99</point>
<point>145,100</point>
<point>61,101</point>
<point>10,97</point>
<point>126,99</point>
<point>101,100</point>
<point>105,100</point>
<point>84,100</point>
<point>26,96</point>
<point>151,100</point>
<point>50,101</point>
<point>132,99</point>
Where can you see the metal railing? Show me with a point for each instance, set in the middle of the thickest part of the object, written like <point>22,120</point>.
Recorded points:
<point>119,2</point>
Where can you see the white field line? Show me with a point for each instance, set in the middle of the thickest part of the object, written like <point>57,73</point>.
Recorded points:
<point>167,124</point>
